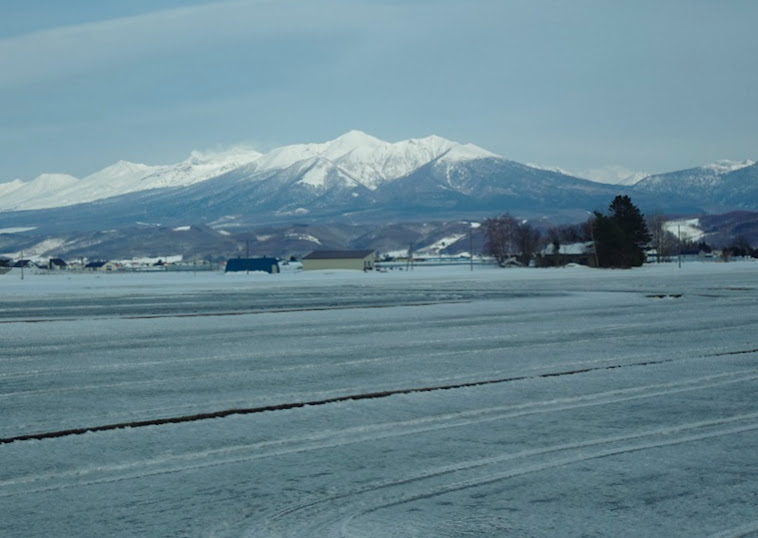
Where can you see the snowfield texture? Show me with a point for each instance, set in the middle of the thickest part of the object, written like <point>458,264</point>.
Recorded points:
<point>438,402</point>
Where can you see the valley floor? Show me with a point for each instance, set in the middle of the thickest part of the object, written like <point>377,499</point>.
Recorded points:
<point>438,402</point>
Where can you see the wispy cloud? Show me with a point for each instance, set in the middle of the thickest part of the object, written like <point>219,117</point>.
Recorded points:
<point>77,49</point>
<point>579,82</point>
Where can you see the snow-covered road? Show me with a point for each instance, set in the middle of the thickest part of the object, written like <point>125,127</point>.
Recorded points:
<point>564,402</point>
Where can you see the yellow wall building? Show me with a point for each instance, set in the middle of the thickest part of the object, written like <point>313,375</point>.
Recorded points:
<point>360,260</point>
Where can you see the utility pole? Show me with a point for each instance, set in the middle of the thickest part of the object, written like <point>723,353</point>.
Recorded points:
<point>472,225</point>
<point>594,243</point>
<point>471,245</point>
<point>679,250</point>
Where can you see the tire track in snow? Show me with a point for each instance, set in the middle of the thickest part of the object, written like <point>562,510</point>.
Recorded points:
<point>570,460</point>
<point>508,340</point>
<point>247,357</point>
<point>294,405</point>
<point>469,346</point>
<point>501,340</point>
<point>290,405</point>
<point>634,442</point>
<point>748,529</point>
<point>360,434</point>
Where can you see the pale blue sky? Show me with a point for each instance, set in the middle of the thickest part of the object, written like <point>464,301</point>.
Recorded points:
<point>652,85</point>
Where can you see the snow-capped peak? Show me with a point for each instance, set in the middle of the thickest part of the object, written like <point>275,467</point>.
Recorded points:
<point>9,187</point>
<point>120,169</point>
<point>364,159</point>
<point>612,174</point>
<point>468,152</point>
<point>548,168</point>
<point>353,139</point>
<point>24,194</point>
<point>616,175</point>
<point>234,156</point>
<point>201,165</point>
<point>724,166</point>
<point>707,178</point>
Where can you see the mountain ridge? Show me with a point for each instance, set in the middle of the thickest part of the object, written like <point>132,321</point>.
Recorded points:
<point>352,180</point>
<point>352,160</point>
<point>363,159</point>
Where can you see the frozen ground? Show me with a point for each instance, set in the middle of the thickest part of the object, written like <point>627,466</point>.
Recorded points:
<point>556,402</point>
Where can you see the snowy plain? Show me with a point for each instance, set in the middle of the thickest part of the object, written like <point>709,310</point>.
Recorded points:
<point>517,402</point>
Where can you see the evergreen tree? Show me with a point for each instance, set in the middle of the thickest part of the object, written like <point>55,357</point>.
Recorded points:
<point>621,236</point>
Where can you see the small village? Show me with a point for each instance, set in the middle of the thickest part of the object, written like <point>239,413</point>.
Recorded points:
<point>359,260</point>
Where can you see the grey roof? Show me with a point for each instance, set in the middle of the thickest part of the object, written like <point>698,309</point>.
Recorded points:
<point>338,254</point>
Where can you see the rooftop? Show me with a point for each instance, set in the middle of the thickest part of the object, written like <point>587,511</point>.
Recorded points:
<point>338,254</point>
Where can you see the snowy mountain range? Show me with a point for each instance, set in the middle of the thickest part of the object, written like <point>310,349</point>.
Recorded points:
<point>721,185</point>
<point>354,179</point>
<point>362,172</point>
<point>355,159</point>
<point>58,190</point>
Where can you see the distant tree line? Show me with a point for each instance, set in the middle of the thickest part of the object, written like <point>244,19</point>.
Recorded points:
<point>617,239</point>
<point>621,237</point>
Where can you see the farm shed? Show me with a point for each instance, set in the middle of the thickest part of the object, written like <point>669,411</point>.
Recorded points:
<point>581,253</point>
<point>267,265</point>
<point>95,266</point>
<point>360,260</point>
<point>102,266</point>
<point>56,264</point>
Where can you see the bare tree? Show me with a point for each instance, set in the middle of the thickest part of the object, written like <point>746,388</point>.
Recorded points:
<point>508,238</point>
<point>527,241</point>
<point>570,233</point>
<point>500,233</point>
<point>554,239</point>
<point>662,240</point>
<point>741,246</point>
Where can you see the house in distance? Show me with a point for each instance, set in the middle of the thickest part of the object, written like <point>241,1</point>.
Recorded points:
<point>360,260</point>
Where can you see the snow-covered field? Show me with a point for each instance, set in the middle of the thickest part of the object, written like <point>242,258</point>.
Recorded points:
<point>519,402</point>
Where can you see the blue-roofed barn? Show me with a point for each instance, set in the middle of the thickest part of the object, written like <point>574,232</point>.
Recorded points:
<point>266,265</point>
